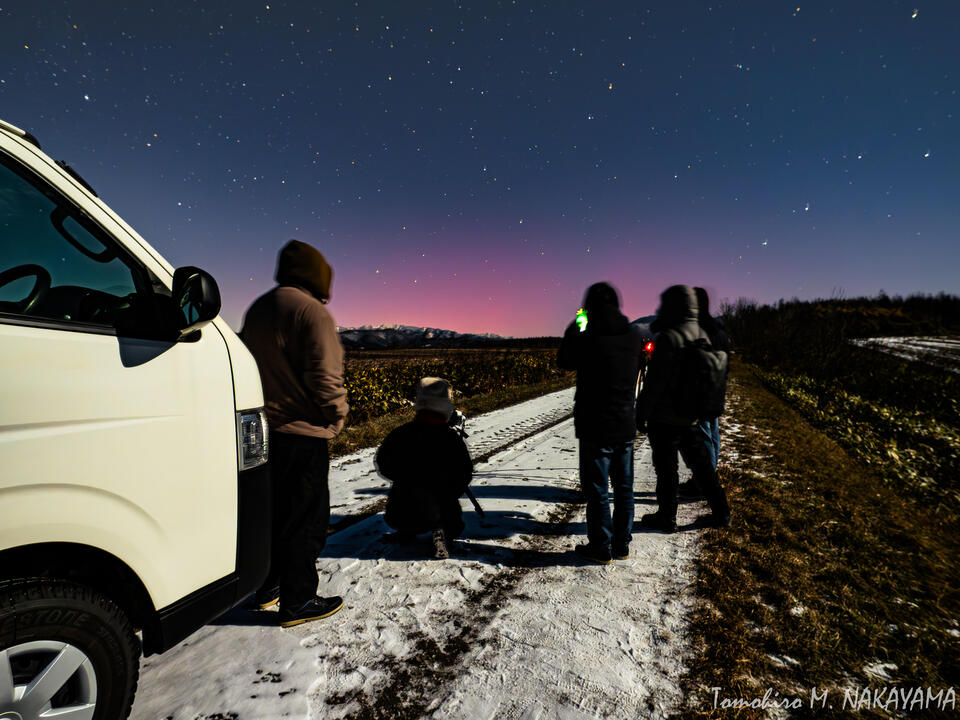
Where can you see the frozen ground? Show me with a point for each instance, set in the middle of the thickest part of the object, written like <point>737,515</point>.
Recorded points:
<point>512,626</point>
<point>943,352</point>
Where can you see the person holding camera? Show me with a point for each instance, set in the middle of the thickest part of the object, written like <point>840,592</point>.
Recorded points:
<point>606,351</point>
<point>429,467</point>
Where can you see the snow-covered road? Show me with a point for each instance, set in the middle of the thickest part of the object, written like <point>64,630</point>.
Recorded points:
<point>355,487</point>
<point>514,625</point>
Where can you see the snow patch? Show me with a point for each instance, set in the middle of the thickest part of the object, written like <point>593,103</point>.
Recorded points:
<point>783,661</point>
<point>943,352</point>
<point>880,671</point>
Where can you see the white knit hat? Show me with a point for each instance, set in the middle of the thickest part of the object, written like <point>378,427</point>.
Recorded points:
<point>434,394</point>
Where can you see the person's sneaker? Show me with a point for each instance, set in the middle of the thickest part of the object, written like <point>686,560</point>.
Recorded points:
<point>593,554</point>
<point>265,597</point>
<point>713,520</point>
<point>315,609</point>
<point>621,553</point>
<point>440,549</point>
<point>656,521</point>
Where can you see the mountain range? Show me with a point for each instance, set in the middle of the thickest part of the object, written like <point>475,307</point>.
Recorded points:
<point>393,337</point>
<point>389,337</point>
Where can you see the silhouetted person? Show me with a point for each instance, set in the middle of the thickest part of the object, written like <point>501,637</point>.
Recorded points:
<point>668,429</point>
<point>606,353</point>
<point>709,428</point>
<point>295,342</point>
<point>429,467</point>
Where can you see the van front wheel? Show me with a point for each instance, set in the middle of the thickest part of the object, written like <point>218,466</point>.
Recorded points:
<point>64,649</point>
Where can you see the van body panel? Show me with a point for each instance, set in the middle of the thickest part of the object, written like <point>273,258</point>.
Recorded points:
<point>128,445</point>
<point>246,375</point>
<point>247,385</point>
<point>119,444</point>
<point>65,521</point>
<point>173,623</point>
<point>94,418</point>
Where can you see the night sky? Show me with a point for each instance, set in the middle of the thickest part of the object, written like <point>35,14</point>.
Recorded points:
<point>475,166</point>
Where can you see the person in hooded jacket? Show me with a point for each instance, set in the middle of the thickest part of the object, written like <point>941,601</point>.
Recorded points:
<point>709,428</point>
<point>429,467</point>
<point>719,340</point>
<point>668,430</point>
<point>294,340</point>
<point>606,354</point>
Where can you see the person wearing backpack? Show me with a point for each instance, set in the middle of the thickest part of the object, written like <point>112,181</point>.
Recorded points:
<point>606,351</point>
<point>709,428</point>
<point>719,340</point>
<point>684,384</point>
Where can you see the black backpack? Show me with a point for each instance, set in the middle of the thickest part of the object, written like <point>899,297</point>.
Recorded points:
<point>700,387</point>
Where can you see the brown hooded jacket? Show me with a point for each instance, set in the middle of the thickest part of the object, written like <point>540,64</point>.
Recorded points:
<point>295,342</point>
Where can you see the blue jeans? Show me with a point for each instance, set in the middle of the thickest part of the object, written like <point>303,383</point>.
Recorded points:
<point>710,429</point>
<point>603,465</point>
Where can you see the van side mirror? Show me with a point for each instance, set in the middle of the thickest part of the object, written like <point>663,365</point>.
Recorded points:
<point>196,299</point>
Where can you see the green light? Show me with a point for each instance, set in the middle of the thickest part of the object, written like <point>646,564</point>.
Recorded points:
<point>582,319</point>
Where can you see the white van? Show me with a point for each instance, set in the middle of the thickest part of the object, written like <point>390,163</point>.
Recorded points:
<point>134,485</point>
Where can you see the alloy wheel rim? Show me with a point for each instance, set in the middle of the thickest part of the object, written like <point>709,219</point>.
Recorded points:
<point>45,678</point>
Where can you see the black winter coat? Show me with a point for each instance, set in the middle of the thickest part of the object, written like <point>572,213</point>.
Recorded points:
<point>676,325</point>
<point>430,468</point>
<point>607,358</point>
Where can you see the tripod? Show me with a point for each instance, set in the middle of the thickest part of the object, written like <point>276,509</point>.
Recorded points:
<point>458,421</point>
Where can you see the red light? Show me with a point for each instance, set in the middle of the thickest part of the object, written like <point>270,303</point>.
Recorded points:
<point>648,347</point>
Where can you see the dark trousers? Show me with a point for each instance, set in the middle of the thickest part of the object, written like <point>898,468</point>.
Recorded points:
<point>413,509</point>
<point>665,442</point>
<point>301,515</point>
<point>709,433</point>
<point>603,465</point>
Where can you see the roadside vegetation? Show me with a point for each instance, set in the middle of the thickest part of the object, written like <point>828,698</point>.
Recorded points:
<point>828,578</point>
<point>899,416</point>
<point>382,385</point>
<point>839,574</point>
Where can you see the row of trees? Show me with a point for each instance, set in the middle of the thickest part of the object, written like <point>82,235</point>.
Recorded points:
<point>813,335</point>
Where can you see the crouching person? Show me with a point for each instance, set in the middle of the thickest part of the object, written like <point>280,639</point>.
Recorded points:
<point>430,468</point>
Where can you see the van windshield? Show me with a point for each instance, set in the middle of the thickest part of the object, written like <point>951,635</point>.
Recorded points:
<point>54,262</point>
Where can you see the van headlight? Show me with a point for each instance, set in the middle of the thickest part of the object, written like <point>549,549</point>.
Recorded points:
<point>252,438</point>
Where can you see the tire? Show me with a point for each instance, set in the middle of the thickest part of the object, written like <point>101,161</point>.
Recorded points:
<point>81,640</point>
